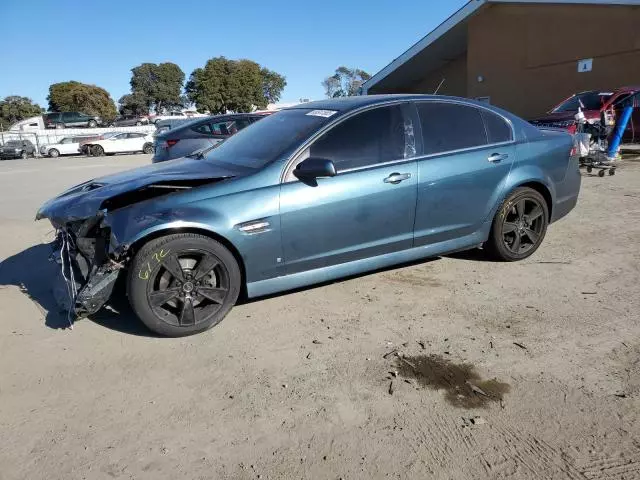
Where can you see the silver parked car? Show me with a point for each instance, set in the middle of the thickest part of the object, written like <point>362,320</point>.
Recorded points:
<point>129,121</point>
<point>185,139</point>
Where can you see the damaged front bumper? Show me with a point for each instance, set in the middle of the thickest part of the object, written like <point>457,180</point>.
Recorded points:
<point>88,269</point>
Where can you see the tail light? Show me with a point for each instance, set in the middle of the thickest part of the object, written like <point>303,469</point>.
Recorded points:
<point>171,143</point>
<point>573,152</point>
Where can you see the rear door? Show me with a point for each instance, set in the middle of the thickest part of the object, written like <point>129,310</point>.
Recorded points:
<point>135,142</point>
<point>368,208</point>
<point>466,158</point>
<point>69,119</point>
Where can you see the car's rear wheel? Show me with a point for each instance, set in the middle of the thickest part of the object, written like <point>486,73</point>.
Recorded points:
<point>138,123</point>
<point>92,124</point>
<point>96,150</point>
<point>183,284</point>
<point>148,148</point>
<point>59,126</point>
<point>53,153</point>
<point>519,226</point>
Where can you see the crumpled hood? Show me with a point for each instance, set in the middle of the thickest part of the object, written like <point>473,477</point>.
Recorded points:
<point>85,200</point>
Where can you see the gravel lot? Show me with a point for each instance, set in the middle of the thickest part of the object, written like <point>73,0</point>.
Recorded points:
<point>297,386</point>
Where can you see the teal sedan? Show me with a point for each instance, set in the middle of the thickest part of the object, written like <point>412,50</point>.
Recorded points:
<point>312,193</point>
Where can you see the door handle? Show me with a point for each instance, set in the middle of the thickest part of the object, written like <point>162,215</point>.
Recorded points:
<point>396,178</point>
<point>497,157</point>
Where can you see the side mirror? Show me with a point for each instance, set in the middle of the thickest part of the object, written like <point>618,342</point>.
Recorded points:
<point>312,168</point>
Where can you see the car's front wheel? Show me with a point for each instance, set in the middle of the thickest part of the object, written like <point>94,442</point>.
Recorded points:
<point>92,124</point>
<point>519,225</point>
<point>183,284</point>
<point>96,150</point>
<point>24,155</point>
<point>148,148</point>
<point>53,153</point>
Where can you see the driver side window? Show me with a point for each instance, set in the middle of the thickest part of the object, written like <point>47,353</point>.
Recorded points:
<point>369,138</point>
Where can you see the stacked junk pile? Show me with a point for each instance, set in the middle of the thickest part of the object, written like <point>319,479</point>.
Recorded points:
<point>598,141</point>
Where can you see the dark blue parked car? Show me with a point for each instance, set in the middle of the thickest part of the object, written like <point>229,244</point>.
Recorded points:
<point>310,194</point>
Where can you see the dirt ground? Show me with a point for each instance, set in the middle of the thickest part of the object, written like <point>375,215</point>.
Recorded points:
<point>518,371</point>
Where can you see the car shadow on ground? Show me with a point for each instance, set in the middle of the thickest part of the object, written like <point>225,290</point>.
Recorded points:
<point>40,280</point>
<point>423,261</point>
<point>473,255</point>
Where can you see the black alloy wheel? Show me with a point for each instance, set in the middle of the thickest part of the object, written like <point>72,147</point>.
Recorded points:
<point>189,288</point>
<point>519,225</point>
<point>523,225</point>
<point>183,284</point>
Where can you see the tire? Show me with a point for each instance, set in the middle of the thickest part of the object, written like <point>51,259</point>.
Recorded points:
<point>148,148</point>
<point>24,155</point>
<point>53,153</point>
<point>96,150</point>
<point>138,123</point>
<point>59,126</point>
<point>515,235</point>
<point>92,124</point>
<point>158,266</point>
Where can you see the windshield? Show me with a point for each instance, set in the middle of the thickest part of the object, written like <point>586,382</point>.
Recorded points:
<point>13,143</point>
<point>586,101</point>
<point>265,141</point>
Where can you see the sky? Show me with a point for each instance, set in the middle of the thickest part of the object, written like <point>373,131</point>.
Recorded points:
<point>98,42</point>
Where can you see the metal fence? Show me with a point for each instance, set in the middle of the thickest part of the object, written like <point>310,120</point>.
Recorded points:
<point>45,137</point>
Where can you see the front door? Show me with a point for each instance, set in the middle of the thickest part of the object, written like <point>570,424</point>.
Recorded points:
<point>368,208</point>
<point>467,156</point>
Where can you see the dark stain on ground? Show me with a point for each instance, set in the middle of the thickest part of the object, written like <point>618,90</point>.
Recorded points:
<point>463,385</point>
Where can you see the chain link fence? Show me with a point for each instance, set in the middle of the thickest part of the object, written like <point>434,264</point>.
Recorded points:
<point>46,137</point>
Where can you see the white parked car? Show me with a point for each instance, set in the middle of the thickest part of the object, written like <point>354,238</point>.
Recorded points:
<point>122,143</point>
<point>176,115</point>
<point>66,146</point>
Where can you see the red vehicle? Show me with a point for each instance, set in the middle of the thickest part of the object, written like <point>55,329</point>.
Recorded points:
<point>593,103</point>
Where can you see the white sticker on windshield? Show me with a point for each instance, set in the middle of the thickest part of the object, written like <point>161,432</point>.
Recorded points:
<point>322,113</point>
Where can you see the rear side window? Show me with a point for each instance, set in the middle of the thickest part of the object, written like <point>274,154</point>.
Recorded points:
<point>229,127</point>
<point>449,126</point>
<point>369,138</point>
<point>203,128</point>
<point>498,130</point>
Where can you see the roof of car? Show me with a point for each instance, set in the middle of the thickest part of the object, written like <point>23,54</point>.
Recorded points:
<point>345,104</point>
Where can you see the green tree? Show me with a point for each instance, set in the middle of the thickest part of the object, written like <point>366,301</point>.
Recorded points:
<point>224,85</point>
<point>158,85</point>
<point>79,97</point>
<point>132,104</point>
<point>345,82</point>
<point>15,108</point>
<point>272,85</point>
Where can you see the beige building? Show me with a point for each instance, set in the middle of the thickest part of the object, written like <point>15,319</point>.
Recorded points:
<point>524,56</point>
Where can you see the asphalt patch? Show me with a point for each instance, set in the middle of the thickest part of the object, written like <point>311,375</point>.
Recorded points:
<point>463,385</point>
